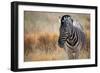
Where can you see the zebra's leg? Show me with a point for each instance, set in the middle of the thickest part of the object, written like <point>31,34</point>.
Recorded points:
<point>77,53</point>
<point>69,52</point>
<point>73,53</point>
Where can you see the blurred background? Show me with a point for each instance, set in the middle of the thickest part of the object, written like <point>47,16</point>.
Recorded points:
<point>41,32</point>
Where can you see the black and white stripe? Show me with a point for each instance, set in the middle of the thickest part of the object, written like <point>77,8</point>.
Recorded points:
<point>71,38</point>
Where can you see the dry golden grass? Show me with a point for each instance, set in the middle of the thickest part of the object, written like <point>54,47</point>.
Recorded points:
<point>44,46</point>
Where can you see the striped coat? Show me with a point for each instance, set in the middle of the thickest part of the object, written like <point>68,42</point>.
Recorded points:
<point>72,37</point>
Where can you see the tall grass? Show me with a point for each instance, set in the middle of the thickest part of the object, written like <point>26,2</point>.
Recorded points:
<point>44,46</point>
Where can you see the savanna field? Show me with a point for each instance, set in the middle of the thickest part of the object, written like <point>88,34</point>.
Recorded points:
<point>41,36</point>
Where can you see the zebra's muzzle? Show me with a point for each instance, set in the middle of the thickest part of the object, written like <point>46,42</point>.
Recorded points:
<point>61,43</point>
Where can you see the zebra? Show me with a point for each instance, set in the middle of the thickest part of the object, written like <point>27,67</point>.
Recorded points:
<point>71,37</point>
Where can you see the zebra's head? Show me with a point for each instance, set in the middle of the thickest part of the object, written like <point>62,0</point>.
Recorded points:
<point>66,19</point>
<point>65,29</point>
<point>66,23</point>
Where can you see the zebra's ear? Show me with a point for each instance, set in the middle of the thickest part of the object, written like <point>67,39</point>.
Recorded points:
<point>59,17</point>
<point>72,20</point>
